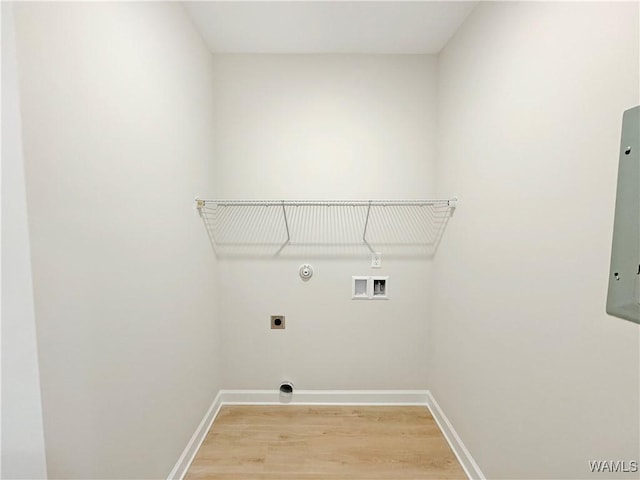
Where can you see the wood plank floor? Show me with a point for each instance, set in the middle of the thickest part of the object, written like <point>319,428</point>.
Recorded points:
<point>309,442</point>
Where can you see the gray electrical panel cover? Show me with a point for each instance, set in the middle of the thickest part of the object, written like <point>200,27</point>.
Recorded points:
<point>623,299</point>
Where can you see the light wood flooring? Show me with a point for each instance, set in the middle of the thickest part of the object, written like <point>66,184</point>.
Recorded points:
<point>309,442</point>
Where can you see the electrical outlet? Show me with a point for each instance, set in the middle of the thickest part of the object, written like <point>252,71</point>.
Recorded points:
<point>376,260</point>
<point>277,322</point>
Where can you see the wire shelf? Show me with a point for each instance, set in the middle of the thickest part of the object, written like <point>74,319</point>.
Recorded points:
<point>335,227</point>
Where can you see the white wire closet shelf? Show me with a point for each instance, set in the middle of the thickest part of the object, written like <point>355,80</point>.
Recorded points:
<point>334,227</point>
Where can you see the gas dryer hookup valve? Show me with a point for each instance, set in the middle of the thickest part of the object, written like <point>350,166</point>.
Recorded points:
<point>305,271</point>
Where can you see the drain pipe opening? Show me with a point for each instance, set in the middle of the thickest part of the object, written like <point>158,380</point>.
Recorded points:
<point>286,389</point>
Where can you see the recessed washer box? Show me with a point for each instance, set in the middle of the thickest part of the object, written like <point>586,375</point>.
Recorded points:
<point>369,287</point>
<point>360,288</point>
<point>379,287</point>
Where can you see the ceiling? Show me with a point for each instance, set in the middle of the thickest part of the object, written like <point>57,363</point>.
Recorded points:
<point>384,27</point>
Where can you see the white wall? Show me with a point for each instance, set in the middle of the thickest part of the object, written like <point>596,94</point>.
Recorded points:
<point>119,136</point>
<point>23,453</point>
<point>116,102</point>
<point>322,127</point>
<point>534,375</point>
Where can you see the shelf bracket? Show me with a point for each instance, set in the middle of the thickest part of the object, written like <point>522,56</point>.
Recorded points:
<point>366,224</point>
<point>200,205</point>
<point>286,222</point>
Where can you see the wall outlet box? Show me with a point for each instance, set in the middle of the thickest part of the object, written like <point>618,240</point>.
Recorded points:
<point>376,260</point>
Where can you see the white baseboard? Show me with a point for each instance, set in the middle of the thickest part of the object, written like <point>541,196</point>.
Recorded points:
<point>189,453</point>
<point>463,455</point>
<point>327,397</point>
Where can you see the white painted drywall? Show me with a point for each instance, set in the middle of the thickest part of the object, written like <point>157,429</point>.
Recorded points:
<point>322,127</point>
<point>116,106</point>
<point>536,378</point>
<point>328,27</point>
<point>23,453</point>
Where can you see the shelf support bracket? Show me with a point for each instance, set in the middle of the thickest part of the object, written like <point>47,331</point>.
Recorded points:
<point>200,205</point>
<point>286,222</point>
<point>366,224</point>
